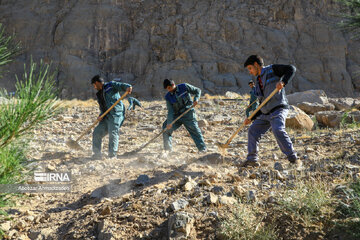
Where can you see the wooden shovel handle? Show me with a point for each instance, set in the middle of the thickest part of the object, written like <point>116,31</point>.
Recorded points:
<point>252,115</point>
<point>160,133</point>
<point>102,115</point>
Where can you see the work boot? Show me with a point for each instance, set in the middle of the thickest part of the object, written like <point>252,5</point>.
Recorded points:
<point>96,156</point>
<point>203,150</point>
<point>166,153</point>
<point>112,155</point>
<point>297,163</point>
<point>250,163</point>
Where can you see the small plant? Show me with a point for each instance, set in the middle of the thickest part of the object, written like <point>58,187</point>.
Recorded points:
<point>349,211</point>
<point>352,208</point>
<point>244,224</point>
<point>34,102</point>
<point>8,48</point>
<point>307,202</point>
<point>347,121</point>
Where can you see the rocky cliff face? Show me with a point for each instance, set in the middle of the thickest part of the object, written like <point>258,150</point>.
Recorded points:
<point>202,42</point>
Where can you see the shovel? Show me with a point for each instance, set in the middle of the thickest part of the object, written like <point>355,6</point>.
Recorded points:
<point>158,135</point>
<point>74,143</point>
<point>222,146</point>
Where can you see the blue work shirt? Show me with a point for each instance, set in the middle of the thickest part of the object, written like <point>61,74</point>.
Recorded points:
<point>180,100</point>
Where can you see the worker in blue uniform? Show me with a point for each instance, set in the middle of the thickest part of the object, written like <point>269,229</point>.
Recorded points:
<point>107,94</point>
<point>178,100</point>
<point>133,102</point>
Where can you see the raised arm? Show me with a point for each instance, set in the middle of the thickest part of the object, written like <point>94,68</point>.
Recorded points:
<point>194,91</point>
<point>287,72</point>
<point>122,86</point>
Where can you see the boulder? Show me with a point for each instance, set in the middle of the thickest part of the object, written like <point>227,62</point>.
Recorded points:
<point>180,225</point>
<point>298,119</point>
<point>312,96</point>
<point>312,108</point>
<point>232,95</point>
<point>354,116</point>
<point>342,104</point>
<point>334,118</point>
<point>329,118</point>
<point>179,204</point>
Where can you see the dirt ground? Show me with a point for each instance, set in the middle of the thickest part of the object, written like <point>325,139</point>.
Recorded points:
<point>106,201</point>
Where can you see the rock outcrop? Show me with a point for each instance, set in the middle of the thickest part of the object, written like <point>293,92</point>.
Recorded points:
<point>201,42</point>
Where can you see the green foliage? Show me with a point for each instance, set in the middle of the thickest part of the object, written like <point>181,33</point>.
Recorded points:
<point>8,47</point>
<point>350,211</point>
<point>344,119</point>
<point>12,158</point>
<point>348,122</point>
<point>308,201</point>
<point>34,102</point>
<point>351,21</point>
<point>244,224</point>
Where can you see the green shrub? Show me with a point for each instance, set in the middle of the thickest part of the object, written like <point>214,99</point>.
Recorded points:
<point>308,201</point>
<point>8,48</point>
<point>34,102</point>
<point>12,158</point>
<point>246,224</point>
<point>350,211</point>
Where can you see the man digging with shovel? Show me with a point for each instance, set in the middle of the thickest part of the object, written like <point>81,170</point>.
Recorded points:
<point>107,95</point>
<point>273,113</point>
<point>178,100</point>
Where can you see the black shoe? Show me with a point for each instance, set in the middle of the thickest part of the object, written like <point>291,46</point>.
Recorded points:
<point>248,163</point>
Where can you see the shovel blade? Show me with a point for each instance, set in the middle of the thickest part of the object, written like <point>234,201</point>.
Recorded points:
<point>73,145</point>
<point>128,153</point>
<point>135,151</point>
<point>222,148</point>
<point>222,145</point>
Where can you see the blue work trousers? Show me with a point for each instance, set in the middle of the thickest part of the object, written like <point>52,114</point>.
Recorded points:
<point>110,124</point>
<point>191,125</point>
<point>275,120</point>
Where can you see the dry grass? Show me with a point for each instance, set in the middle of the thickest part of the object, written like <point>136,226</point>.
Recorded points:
<point>246,223</point>
<point>208,96</point>
<point>308,201</point>
<point>78,103</point>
